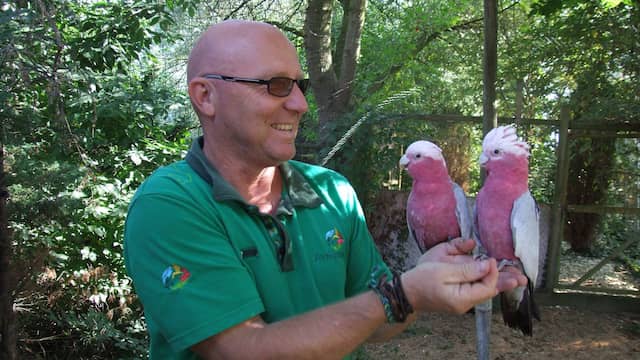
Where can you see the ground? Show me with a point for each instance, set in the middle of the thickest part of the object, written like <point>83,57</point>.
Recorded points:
<point>564,333</point>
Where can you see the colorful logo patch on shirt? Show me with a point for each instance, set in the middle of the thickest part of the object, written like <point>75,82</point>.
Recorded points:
<point>335,239</point>
<point>174,277</point>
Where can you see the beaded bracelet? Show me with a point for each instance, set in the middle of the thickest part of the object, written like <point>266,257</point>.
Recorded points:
<point>404,308</point>
<point>378,277</point>
<point>394,301</point>
<point>388,311</point>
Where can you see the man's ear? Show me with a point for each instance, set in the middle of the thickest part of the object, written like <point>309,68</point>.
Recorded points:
<point>202,93</point>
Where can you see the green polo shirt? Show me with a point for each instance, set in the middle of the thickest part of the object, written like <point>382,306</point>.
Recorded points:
<point>203,260</point>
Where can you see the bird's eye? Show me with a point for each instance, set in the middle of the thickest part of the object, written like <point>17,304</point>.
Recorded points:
<point>418,156</point>
<point>496,151</point>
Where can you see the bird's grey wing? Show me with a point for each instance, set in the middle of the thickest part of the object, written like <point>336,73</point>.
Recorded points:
<point>525,228</point>
<point>412,234</point>
<point>463,214</point>
<point>479,251</point>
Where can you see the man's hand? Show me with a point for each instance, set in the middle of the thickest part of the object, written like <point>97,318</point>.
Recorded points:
<point>457,251</point>
<point>510,278</point>
<point>450,286</point>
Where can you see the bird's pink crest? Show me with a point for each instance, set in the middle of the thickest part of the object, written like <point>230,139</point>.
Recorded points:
<point>505,139</point>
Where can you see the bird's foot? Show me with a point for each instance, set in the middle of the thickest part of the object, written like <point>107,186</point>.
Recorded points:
<point>506,262</point>
<point>479,252</point>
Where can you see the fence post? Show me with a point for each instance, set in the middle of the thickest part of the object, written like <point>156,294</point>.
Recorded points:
<point>560,201</point>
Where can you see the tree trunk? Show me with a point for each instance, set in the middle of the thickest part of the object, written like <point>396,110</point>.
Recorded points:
<point>592,160</point>
<point>7,318</point>
<point>332,71</point>
<point>455,142</point>
<point>589,172</point>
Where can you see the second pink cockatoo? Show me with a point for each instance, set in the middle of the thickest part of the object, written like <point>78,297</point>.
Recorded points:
<point>437,209</point>
<point>507,222</point>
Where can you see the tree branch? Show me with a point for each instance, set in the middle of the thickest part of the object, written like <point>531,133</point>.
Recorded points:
<point>422,42</point>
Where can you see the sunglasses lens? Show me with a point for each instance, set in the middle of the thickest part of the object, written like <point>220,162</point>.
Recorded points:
<point>303,84</point>
<point>280,86</point>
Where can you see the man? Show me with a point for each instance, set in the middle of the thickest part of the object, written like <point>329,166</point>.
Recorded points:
<point>239,252</point>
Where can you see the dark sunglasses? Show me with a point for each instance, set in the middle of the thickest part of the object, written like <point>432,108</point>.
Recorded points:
<point>276,86</point>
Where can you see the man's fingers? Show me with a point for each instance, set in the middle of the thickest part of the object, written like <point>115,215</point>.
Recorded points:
<point>506,283</point>
<point>486,288</point>
<point>461,259</point>
<point>508,280</point>
<point>478,284</point>
<point>461,246</point>
<point>472,271</point>
<point>451,287</point>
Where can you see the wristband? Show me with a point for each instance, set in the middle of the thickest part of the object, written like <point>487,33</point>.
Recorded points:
<point>378,277</point>
<point>394,301</point>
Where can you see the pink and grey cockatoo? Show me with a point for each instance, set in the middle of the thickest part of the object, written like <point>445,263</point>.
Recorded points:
<point>507,222</point>
<point>437,209</point>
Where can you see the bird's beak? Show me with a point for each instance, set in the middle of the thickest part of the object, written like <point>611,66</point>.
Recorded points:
<point>483,159</point>
<point>404,161</point>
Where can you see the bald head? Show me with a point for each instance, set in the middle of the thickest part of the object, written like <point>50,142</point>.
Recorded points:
<point>231,46</point>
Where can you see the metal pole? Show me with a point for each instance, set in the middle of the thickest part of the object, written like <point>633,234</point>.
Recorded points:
<point>489,121</point>
<point>490,65</point>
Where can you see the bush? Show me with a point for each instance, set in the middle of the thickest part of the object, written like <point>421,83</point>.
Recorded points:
<point>74,298</point>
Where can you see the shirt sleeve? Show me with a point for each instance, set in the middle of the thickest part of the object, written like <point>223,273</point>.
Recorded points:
<point>364,256</point>
<point>184,269</point>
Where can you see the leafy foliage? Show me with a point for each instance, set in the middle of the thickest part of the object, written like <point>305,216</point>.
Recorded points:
<point>87,115</point>
<point>72,227</point>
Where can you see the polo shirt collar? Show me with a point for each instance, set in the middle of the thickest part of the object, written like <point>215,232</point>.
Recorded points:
<point>300,192</point>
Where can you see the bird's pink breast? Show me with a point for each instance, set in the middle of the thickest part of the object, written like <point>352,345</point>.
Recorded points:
<point>507,179</point>
<point>433,217</point>
<point>494,205</point>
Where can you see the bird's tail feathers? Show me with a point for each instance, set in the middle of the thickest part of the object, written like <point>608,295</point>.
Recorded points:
<point>535,310</point>
<point>519,315</point>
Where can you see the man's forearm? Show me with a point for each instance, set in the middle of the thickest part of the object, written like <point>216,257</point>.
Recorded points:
<point>334,331</point>
<point>388,331</point>
<point>331,332</point>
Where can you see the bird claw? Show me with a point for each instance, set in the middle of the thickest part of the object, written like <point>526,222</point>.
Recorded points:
<point>480,253</point>
<point>505,262</point>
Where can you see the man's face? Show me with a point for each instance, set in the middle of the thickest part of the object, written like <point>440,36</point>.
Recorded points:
<point>250,123</point>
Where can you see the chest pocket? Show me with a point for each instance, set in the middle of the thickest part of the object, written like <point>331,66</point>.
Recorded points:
<point>262,242</point>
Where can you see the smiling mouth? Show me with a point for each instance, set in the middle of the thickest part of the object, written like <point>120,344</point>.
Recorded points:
<point>283,127</point>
